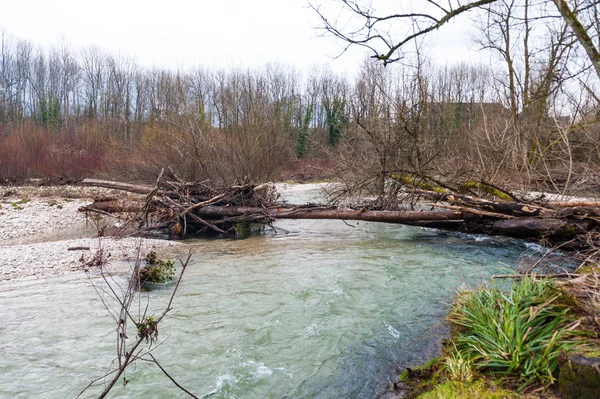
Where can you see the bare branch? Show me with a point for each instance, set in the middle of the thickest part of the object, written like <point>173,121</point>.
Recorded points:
<point>126,356</point>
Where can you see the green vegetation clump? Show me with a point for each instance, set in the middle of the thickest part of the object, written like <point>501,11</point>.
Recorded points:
<point>156,270</point>
<point>148,329</point>
<point>57,204</point>
<point>17,204</point>
<point>503,339</point>
<point>517,334</point>
<point>458,366</point>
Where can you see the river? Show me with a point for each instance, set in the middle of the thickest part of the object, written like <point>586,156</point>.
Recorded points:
<point>317,309</point>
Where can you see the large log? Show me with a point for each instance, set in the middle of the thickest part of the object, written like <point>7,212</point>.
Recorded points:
<point>398,217</point>
<point>115,185</point>
<point>528,228</point>
<point>209,212</point>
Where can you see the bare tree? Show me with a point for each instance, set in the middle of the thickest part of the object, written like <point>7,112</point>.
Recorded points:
<point>360,23</point>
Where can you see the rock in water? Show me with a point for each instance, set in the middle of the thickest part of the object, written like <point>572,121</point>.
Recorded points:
<point>579,377</point>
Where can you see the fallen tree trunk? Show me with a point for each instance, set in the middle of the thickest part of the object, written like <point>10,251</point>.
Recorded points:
<point>290,212</point>
<point>189,208</point>
<point>213,218</point>
<point>537,228</point>
<point>115,185</point>
<point>286,211</point>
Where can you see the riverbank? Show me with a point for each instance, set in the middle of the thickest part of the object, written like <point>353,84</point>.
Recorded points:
<point>41,226</point>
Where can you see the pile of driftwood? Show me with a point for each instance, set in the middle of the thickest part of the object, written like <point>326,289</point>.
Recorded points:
<point>176,206</point>
<point>191,208</point>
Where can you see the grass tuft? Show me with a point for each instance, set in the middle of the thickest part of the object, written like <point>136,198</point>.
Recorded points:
<point>458,367</point>
<point>517,334</point>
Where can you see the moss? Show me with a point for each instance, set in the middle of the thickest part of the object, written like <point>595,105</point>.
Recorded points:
<point>579,377</point>
<point>478,389</point>
<point>487,189</point>
<point>430,364</point>
<point>589,268</point>
<point>418,182</point>
<point>242,228</point>
<point>569,230</point>
<point>420,379</point>
<point>405,374</point>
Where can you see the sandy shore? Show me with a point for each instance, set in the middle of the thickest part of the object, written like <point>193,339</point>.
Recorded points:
<point>38,225</point>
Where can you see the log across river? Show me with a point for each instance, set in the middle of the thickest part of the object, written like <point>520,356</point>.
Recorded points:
<point>190,208</point>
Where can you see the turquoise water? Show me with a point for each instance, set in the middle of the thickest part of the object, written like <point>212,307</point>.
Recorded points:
<point>323,310</point>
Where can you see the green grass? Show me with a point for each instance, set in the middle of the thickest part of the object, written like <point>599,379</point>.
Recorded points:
<point>479,389</point>
<point>57,204</point>
<point>516,334</point>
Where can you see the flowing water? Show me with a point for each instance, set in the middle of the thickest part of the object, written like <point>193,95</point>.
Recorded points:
<point>317,310</point>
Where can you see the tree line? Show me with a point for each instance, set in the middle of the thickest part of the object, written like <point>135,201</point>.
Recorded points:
<point>66,112</point>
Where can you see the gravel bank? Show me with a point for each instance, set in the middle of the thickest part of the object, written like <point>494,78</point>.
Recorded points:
<point>34,222</point>
<point>51,258</point>
<point>29,217</point>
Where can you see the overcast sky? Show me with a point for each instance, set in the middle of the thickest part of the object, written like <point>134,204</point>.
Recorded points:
<point>184,33</point>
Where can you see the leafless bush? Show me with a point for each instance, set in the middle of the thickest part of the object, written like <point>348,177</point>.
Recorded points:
<point>146,325</point>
